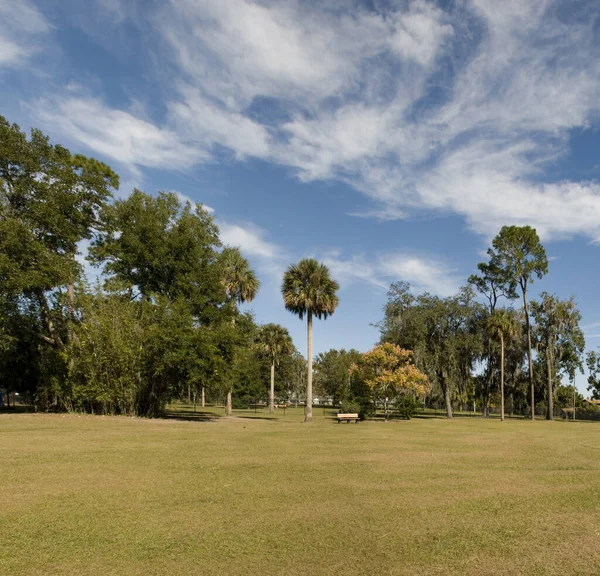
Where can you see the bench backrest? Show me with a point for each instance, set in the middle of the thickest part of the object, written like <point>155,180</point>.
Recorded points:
<point>347,415</point>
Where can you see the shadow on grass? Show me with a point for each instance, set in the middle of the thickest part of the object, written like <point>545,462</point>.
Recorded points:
<point>189,416</point>
<point>18,409</point>
<point>257,417</point>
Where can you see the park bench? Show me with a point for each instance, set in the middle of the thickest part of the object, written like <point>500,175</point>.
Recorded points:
<point>347,418</point>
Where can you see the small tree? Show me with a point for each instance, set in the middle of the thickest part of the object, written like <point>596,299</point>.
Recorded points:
<point>502,325</point>
<point>558,336</point>
<point>274,341</point>
<point>388,369</point>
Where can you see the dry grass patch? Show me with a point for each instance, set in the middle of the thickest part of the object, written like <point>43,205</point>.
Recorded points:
<point>97,495</point>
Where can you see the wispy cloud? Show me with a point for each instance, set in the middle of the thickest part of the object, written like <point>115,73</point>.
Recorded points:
<point>422,109</point>
<point>122,136</point>
<point>22,28</point>
<point>422,272</point>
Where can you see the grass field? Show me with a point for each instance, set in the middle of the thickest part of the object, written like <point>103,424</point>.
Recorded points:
<point>110,495</point>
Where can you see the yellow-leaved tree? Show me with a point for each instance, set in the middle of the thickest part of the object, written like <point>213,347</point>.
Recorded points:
<point>389,372</point>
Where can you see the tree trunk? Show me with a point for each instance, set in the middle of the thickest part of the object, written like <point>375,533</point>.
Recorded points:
<point>501,377</point>
<point>272,394</point>
<point>550,409</point>
<point>190,393</point>
<point>70,310</point>
<point>229,409</point>
<point>489,383</point>
<point>574,395</point>
<point>203,400</point>
<point>47,317</point>
<point>308,411</point>
<point>447,398</point>
<point>527,323</point>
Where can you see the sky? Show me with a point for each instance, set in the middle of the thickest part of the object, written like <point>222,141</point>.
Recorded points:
<point>389,139</point>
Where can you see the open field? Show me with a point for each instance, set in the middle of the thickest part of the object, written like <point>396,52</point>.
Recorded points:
<point>110,495</point>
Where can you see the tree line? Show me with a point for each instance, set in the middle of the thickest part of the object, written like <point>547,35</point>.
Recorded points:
<point>476,347</point>
<point>163,320</point>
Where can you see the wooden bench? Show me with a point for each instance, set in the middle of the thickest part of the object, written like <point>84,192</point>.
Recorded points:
<point>347,418</point>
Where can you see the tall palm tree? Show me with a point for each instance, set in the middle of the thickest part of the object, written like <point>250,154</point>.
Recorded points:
<point>274,341</point>
<point>308,290</point>
<point>503,326</point>
<point>240,283</point>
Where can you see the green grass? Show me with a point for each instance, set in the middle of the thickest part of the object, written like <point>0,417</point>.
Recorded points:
<point>109,495</point>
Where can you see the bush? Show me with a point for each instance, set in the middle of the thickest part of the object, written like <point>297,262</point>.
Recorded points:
<point>350,407</point>
<point>406,406</point>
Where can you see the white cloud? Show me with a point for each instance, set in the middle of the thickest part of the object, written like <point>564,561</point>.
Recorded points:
<point>422,272</point>
<point>203,125</point>
<point>117,134</point>
<point>420,32</point>
<point>22,28</point>
<point>455,111</point>
<point>248,237</point>
<point>239,49</point>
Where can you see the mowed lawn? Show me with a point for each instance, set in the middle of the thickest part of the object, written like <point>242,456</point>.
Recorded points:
<point>111,495</point>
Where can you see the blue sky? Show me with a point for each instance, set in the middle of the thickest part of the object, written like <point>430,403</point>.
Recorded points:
<point>391,140</point>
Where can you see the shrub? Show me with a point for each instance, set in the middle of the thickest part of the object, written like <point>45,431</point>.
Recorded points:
<point>350,407</point>
<point>406,406</point>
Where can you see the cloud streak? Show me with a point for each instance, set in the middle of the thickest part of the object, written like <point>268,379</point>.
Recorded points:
<point>423,272</point>
<point>422,109</point>
<point>22,28</point>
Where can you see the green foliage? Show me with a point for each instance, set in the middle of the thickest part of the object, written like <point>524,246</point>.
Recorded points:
<point>517,257</point>
<point>239,280</point>
<point>558,337</point>
<point>156,245</point>
<point>406,405</point>
<point>332,376</point>
<point>350,407</point>
<point>165,322</point>
<point>273,341</point>
<point>307,288</point>
<point>443,333</point>
<point>593,366</point>
<point>49,201</point>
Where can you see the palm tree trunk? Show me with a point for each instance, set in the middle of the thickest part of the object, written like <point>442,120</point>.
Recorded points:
<point>550,411</point>
<point>502,377</point>
<point>529,354</point>
<point>308,412</point>
<point>574,395</point>
<point>203,401</point>
<point>488,383</point>
<point>272,395</point>
<point>229,409</point>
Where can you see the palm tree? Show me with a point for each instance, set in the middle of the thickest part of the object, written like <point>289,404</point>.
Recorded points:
<point>503,326</point>
<point>240,283</point>
<point>274,341</point>
<point>309,290</point>
<point>239,280</point>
